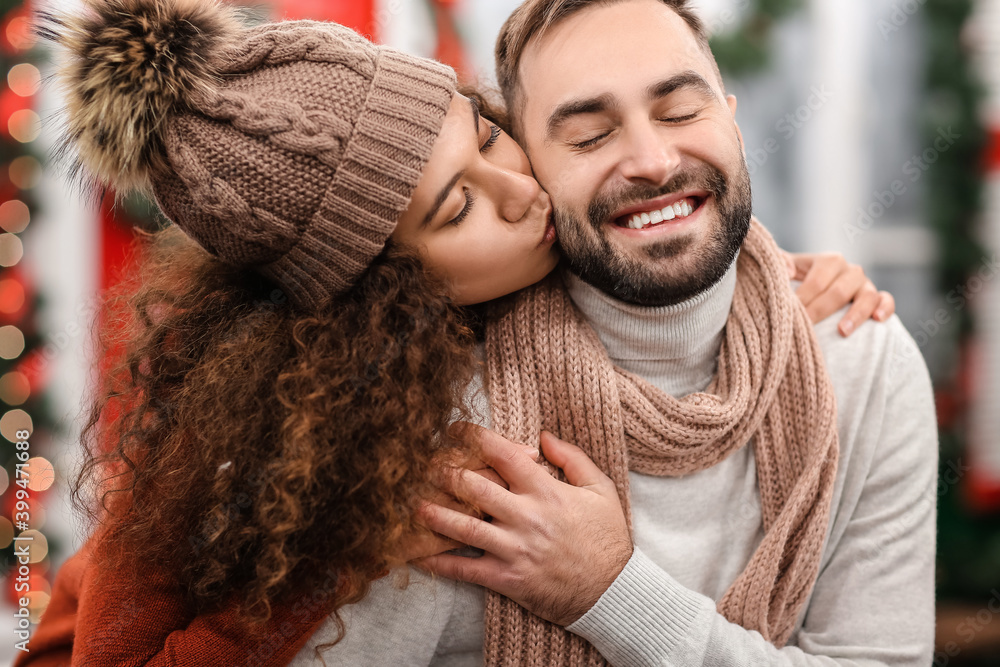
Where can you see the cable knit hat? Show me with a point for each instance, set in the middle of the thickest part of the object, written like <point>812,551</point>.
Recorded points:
<point>290,148</point>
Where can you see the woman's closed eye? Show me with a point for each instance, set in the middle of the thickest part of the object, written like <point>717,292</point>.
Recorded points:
<point>470,199</point>
<point>495,132</point>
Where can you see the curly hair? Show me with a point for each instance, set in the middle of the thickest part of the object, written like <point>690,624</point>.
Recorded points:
<point>247,446</point>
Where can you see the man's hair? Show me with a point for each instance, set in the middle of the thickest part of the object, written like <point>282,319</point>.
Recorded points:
<point>533,17</point>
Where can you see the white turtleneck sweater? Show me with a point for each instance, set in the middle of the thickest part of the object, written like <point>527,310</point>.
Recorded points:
<point>873,602</point>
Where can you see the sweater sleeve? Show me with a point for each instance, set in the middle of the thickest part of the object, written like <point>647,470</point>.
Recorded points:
<point>101,619</point>
<point>873,602</point>
<point>51,645</point>
<point>392,625</point>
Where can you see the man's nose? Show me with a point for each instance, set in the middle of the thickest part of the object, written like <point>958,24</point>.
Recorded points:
<point>647,155</point>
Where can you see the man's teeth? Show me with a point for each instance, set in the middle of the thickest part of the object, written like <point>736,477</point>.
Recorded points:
<point>681,209</point>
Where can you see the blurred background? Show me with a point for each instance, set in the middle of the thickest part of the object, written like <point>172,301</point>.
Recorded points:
<point>872,128</point>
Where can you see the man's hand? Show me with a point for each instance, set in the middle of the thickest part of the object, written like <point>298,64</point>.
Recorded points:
<point>829,283</point>
<point>552,547</point>
<point>424,544</point>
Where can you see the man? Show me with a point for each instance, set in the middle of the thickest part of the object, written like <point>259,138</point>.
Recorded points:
<point>622,111</point>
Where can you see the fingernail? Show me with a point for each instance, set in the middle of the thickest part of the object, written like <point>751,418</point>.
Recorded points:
<point>879,314</point>
<point>532,452</point>
<point>846,327</point>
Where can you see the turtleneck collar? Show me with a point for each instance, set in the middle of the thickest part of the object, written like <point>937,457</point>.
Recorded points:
<point>674,346</point>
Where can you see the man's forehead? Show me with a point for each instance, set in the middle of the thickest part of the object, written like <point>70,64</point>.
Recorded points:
<point>609,49</point>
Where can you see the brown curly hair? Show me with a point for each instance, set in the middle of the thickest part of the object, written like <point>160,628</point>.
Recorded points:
<point>247,446</point>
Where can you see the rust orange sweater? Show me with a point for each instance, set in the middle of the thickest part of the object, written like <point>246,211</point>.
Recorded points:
<point>139,618</point>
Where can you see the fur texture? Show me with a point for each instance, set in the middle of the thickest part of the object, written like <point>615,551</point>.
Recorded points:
<point>130,64</point>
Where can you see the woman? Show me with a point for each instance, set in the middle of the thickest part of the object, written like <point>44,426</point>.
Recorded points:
<point>297,342</point>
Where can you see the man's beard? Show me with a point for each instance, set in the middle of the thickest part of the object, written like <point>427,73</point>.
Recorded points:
<point>628,279</point>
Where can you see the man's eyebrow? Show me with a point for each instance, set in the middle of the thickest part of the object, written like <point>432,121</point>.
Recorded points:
<point>442,196</point>
<point>568,110</point>
<point>689,79</point>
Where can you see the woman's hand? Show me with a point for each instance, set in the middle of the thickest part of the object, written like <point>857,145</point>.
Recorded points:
<point>829,283</point>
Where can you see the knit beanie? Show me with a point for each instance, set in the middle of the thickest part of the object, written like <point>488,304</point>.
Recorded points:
<point>289,148</point>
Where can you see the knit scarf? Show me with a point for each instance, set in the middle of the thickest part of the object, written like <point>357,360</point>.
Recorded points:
<point>547,369</point>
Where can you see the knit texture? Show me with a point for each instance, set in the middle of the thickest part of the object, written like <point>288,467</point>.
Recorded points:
<point>97,617</point>
<point>546,369</point>
<point>289,148</point>
<point>302,162</point>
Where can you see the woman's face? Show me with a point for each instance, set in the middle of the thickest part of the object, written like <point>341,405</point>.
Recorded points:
<point>478,217</point>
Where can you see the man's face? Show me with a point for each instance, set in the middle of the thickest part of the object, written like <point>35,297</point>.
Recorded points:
<point>623,117</point>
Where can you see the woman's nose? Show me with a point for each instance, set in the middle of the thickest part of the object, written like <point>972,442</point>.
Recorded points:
<point>516,193</point>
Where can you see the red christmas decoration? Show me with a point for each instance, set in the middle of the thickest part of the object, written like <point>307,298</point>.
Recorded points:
<point>11,102</point>
<point>992,156</point>
<point>356,14</point>
<point>15,296</point>
<point>449,47</point>
<point>16,35</point>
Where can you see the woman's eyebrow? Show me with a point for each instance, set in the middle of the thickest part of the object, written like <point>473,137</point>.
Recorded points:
<point>475,113</point>
<point>442,196</point>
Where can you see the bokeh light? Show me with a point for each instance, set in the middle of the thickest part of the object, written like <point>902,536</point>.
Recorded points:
<point>24,125</point>
<point>20,34</point>
<point>6,532</point>
<point>41,473</point>
<point>14,421</point>
<point>11,296</point>
<point>24,79</point>
<point>25,173</point>
<point>38,515</point>
<point>37,602</point>
<point>39,545</point>
<point>14,388</point>
<point>4,482</point>
<point>14,215</point>
<point>37,582</point>
<point>11,342</point>
<point>11,250</point>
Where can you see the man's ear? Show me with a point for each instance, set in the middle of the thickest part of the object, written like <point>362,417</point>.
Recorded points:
<point>731,101</point>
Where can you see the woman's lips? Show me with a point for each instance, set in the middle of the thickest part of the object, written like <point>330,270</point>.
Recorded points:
<point>549,235</point>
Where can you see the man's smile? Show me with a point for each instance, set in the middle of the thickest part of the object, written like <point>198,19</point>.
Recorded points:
<point>655,214</point>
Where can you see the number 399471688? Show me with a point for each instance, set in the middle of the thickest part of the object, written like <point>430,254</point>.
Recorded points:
<point>21,507</point>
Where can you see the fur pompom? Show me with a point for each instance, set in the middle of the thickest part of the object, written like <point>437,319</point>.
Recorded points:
<point>130,64</point>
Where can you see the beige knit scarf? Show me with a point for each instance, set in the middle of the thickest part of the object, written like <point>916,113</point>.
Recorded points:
<point>547,369</point>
